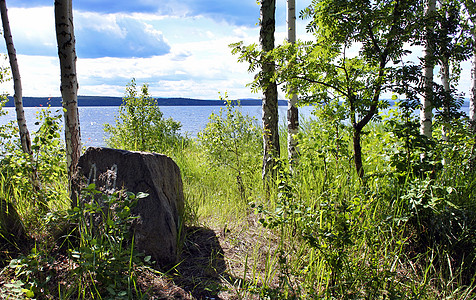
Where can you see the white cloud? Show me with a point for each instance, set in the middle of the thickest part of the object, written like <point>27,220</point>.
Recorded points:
<point>210,34</point>
<point>240,32</point>
<point>196,67</point>
<point>40,76</point>
<point>99,23</point>
<point>33,30</point>
<point>118,35</point>
<point>115,35</point>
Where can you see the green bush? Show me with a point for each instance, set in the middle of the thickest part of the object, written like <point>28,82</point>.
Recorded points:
<point>100,246</point>
<point>342,239</point>
<point>39,177</point>
<point>105,255</point>
<point>140,125</point>
<point>232,141</point>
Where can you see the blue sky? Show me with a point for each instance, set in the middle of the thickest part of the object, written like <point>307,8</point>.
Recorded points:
<point>180,48</point>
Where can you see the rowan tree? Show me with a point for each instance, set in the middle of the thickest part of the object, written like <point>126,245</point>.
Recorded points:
<point>329,68</point>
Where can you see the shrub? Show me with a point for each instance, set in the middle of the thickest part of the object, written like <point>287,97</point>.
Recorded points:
<point>232,140</point>
<point>105,256</point>
<point>38,177</point>
<point>140,125</point>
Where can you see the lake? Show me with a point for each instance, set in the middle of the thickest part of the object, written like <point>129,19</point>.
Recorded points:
<point>192,118</point>
<point>93,118</point>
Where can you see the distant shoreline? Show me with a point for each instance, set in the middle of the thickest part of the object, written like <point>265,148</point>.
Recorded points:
<point>117,101</point>
<point>85,101</point>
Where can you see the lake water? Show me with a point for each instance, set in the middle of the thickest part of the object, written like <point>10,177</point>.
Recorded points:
<point>92,119</point>
<point>192,118</point>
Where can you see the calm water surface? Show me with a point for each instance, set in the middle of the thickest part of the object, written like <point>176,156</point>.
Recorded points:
<point>92,119</point>
<point>192,118</point>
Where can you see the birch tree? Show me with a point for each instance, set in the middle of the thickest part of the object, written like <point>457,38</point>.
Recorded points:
<point>452,46</point>
<point>69,87</point>
<point>472,98</point>
<point>444,60</point>
<point>293,113</point>
<point>17,96</point>
<point>470,6</point>
<point>270,89</point>
<point>426,114</point>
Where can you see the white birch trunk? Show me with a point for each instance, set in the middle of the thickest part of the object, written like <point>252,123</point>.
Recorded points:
<point>270,99</point>
<point>293,113</point>
<point>17,96</point>
<point>69,87</point>
<point>472,98</point>
<point>426,113</point>
<point>445,80</point>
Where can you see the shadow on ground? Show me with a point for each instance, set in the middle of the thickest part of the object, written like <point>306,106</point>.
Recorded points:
<point>202,265</point>
<point>210,262</point>
<point>199,274</point>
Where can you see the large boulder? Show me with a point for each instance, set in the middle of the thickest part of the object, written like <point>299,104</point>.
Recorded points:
<point>159,214</point>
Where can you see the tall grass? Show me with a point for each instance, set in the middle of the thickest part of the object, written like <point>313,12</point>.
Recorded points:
<point>336,238</point>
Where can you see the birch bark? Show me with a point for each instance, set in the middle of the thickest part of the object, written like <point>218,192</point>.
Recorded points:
<point>270,98</point>
<point>17,96</point>
<point>293,113</point>
<point>445,80</point>
<point>69,87</point>
<point>426,113</point>
<point>472,98</point>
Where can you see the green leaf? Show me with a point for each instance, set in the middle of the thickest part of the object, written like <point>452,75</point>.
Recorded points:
<point>28,293</point>
<point>111,291</point>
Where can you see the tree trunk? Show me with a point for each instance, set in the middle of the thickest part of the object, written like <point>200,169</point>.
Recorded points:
<point>69,88</point>
<point>426,113</point>
<point>445,80</point>
<point>356,133</point>
<point>358,153</point>
<point>359,126</point>
<point>293,113</point>
<point>472,102</point>
<point>18,99</point>
<point>270,99</point>
<point>472,98</point>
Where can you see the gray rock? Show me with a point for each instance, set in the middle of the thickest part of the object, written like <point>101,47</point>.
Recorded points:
<point>159,214</point>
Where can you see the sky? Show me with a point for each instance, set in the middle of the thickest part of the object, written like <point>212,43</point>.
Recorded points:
<point>178,48</point>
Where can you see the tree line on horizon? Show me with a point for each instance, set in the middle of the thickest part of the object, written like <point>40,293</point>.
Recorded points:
<point>117,101</point>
